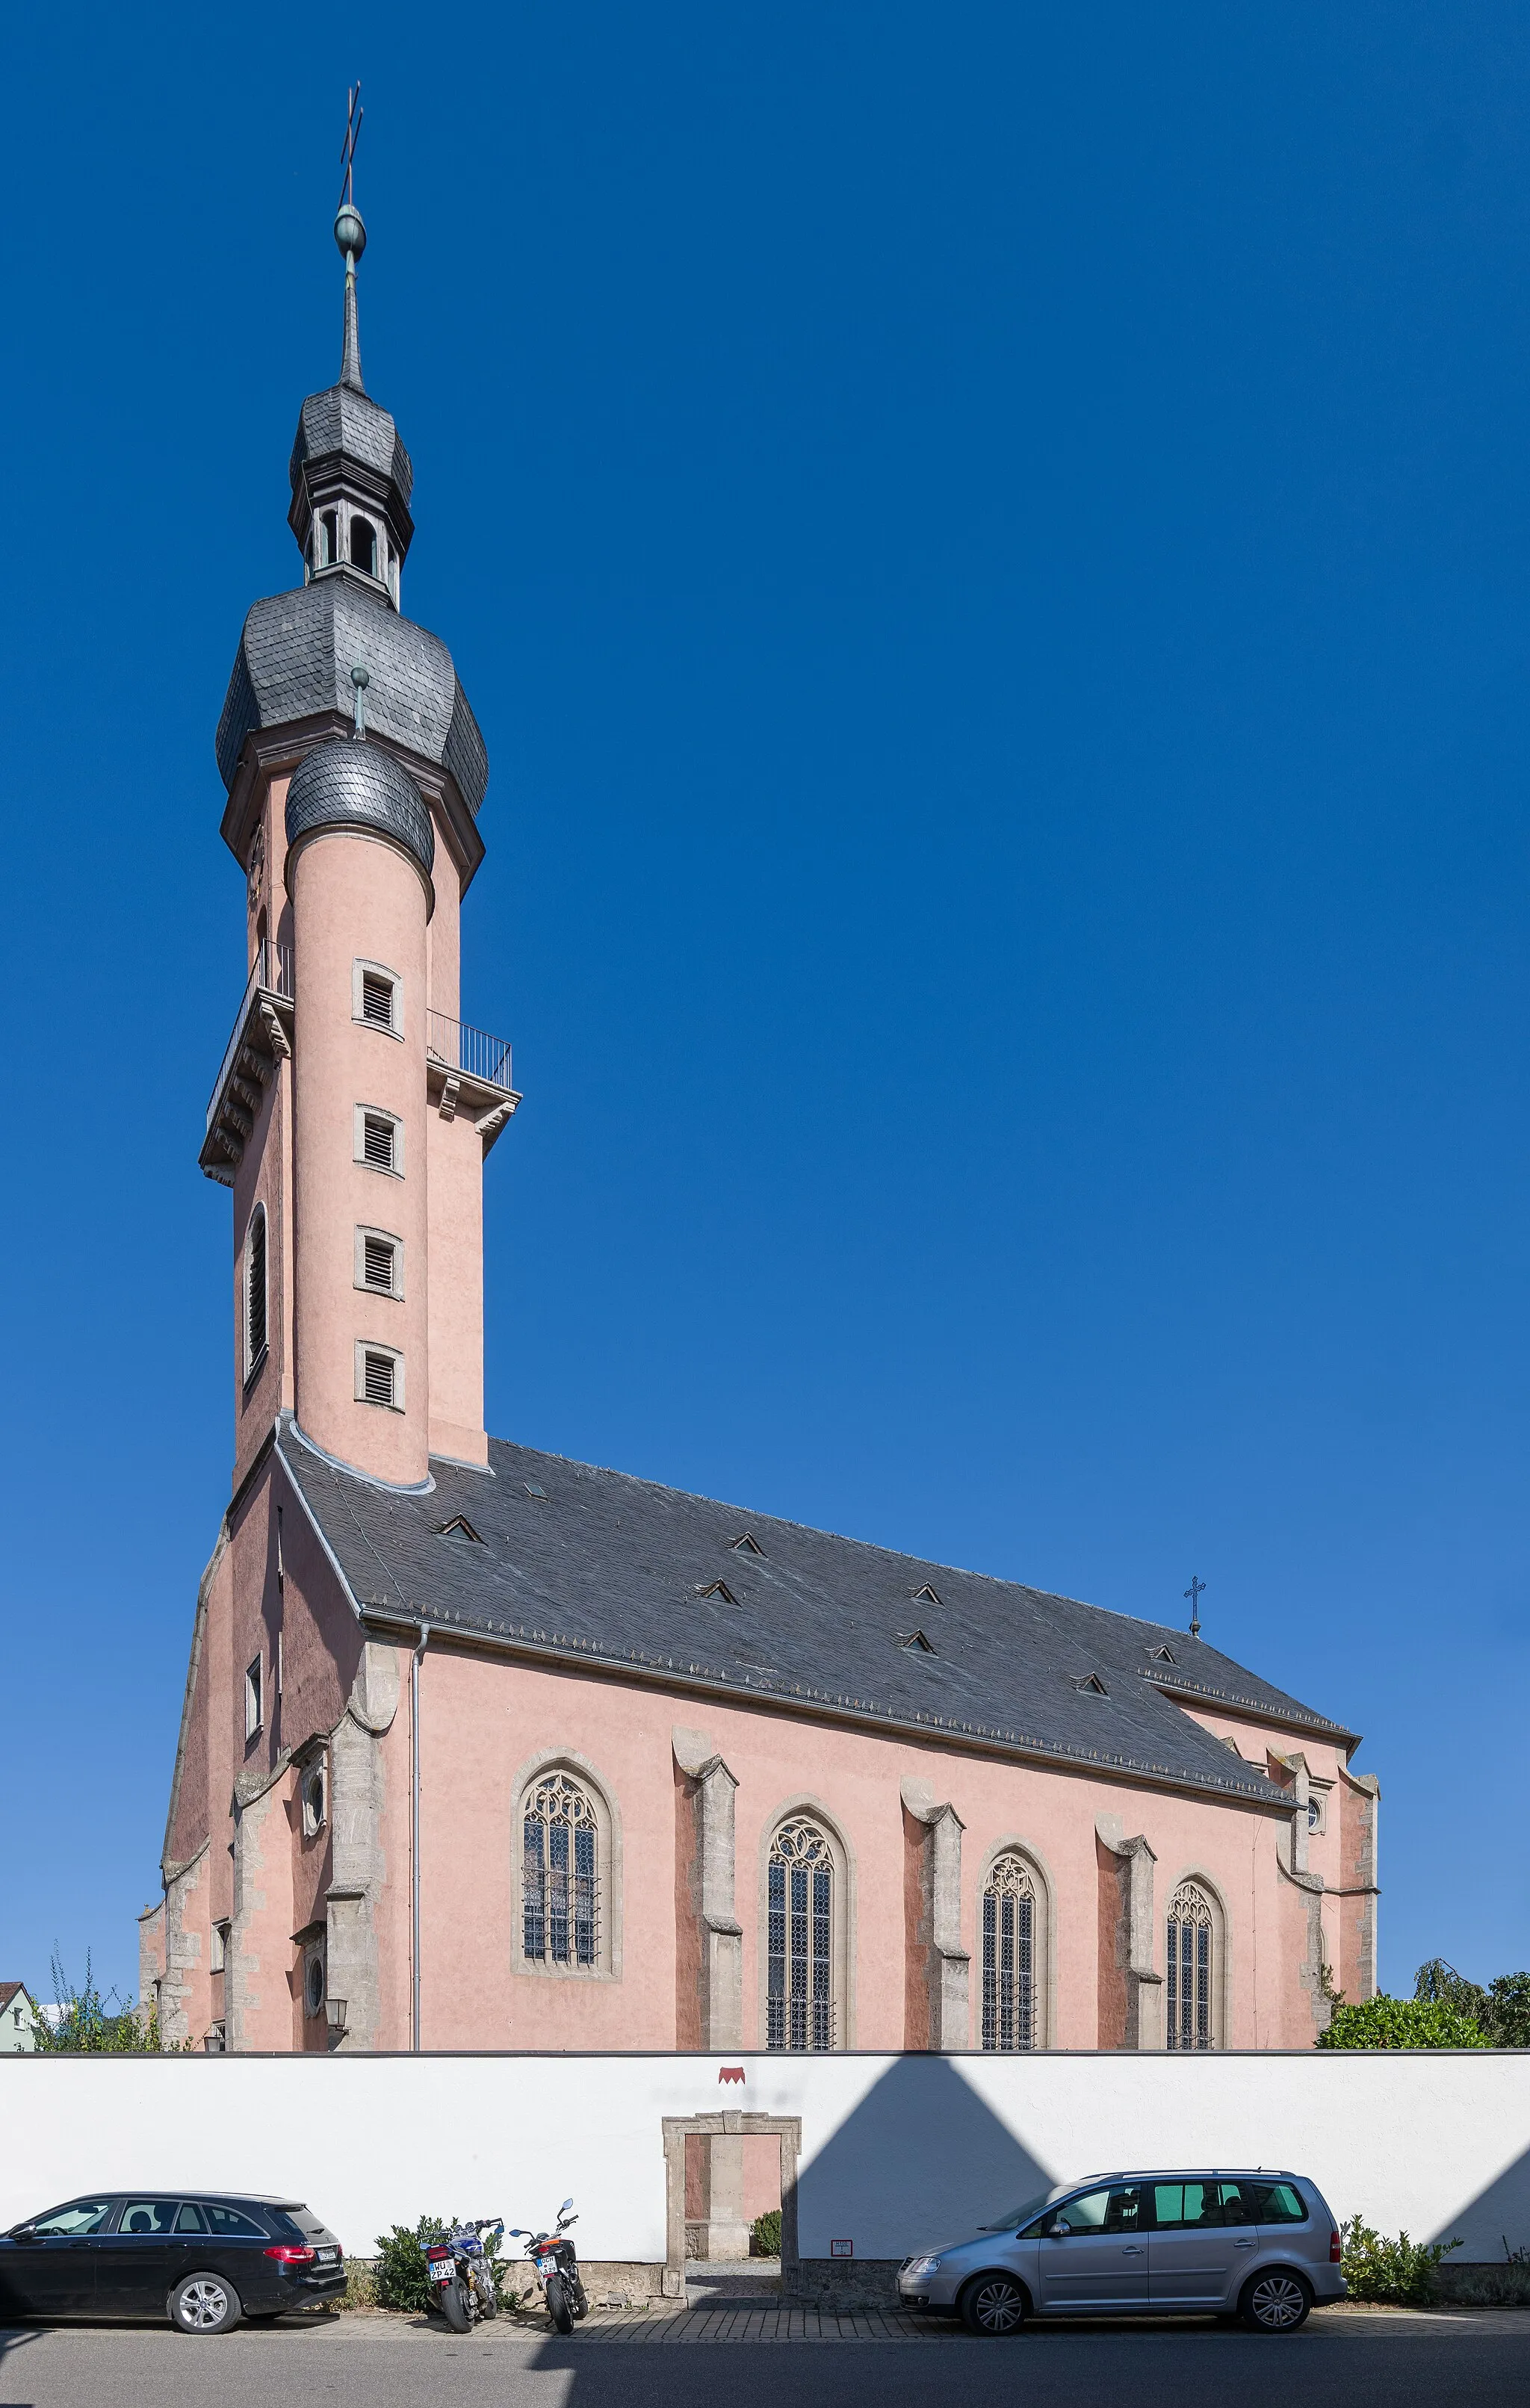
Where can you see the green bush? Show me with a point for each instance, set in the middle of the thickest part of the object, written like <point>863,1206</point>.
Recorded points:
<point>765,2234</point>
<point>1400,2274</point>
<point>1401,2023</point>
<point>398,2277</point>
<point>88,2025</point>
<point>1495,2287</point>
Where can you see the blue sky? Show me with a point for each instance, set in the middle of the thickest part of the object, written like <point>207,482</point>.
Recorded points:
<point>991,551</point>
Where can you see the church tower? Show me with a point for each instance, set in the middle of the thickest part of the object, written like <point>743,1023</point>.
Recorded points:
<point>353,1110</point>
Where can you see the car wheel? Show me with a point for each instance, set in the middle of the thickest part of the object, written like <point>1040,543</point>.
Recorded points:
<point>994,2305</point>
<point>204,2303</point>
<point>1276,2302</point>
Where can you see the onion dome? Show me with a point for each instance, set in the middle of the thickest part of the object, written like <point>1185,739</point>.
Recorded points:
<point>347,785</point>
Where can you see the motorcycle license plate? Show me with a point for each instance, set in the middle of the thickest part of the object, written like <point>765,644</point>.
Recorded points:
<point>444,2273</point>
<point>547,2265</point>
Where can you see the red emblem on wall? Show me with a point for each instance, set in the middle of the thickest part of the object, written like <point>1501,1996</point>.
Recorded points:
<point>731,2073</point>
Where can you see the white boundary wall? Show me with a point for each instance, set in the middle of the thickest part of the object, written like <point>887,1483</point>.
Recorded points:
<point>898,2152</point>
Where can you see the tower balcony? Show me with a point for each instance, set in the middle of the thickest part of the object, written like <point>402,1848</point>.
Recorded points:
<point>468,1070</point>
<point>262,1037</point>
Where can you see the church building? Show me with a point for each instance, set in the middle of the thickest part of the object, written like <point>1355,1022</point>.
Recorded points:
<point>485,1748</point>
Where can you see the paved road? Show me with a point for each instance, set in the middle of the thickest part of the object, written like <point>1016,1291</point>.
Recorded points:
<point>1339,2362</point>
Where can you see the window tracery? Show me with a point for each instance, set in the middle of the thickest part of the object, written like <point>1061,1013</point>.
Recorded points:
<point>800,2005</point>
<point>1190,1969</point>
<point>1011,1949</point>
<point>560,1874</point>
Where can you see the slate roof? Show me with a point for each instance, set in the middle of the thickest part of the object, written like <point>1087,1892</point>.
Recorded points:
<point>606,1570</point>
<point>294,661</point>
<point>350,784</point>
<point>342,419</point>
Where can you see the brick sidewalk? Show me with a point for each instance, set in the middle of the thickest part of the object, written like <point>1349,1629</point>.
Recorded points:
<point>693,2327</point>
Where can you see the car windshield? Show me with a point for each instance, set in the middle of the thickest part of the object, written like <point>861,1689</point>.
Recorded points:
<point>64,2223</point>
<point>1015,2216</point>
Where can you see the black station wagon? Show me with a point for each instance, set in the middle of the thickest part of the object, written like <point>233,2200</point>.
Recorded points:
<point>203,2258</point>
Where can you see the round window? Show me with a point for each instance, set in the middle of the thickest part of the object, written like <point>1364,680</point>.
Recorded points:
<point>1314,1812</point>
<point>314,1985</point>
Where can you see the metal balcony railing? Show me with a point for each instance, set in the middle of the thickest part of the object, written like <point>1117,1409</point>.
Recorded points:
<point>471,1051</point>
<point>272,975</point>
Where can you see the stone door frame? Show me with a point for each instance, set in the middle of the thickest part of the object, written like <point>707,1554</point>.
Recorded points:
<point>735,2124</point>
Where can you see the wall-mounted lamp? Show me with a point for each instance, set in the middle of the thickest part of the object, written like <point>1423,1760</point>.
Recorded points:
<point>335,2014</point>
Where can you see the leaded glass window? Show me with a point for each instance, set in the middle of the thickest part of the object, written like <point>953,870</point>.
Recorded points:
<point>1009,1955</point>
<point>800,1983</point>
<point>1190,1969</point>
<point>560,1874</point>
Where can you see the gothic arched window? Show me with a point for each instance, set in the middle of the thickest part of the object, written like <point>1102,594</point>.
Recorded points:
<point>800,2003</point>
<point>254,1292</point>
<point>1191,1968</point>
<point>560,1874</point>
<point>1012,1946</point>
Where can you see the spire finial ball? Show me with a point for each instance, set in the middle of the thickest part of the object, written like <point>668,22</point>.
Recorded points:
<point>350,234</point>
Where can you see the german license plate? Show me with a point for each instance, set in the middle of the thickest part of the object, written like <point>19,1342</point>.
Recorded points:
<point>547,2265</point>
<point>326,2257</point>
<point>444,2273</point>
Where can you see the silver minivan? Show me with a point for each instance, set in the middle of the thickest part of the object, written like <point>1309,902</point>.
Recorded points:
<point>1263,2244</point>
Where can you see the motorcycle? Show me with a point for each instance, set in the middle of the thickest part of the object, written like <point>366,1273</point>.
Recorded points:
<point>555,2264</point>
<point>460,2274</point>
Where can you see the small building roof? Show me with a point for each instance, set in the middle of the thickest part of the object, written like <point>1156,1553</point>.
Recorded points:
<point>567,1561</point>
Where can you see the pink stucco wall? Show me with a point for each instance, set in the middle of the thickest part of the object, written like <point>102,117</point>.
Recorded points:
<point>358,900</point>
<point>485,1725</point>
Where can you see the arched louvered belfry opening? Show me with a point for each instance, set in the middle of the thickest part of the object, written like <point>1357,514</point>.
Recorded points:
<point>256,1297</point>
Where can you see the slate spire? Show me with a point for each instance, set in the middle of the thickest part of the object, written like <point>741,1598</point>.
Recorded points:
<point>351,240</point>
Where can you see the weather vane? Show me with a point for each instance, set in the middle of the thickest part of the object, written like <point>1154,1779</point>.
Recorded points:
<point>1194,1593</point>
<point>354,113</point>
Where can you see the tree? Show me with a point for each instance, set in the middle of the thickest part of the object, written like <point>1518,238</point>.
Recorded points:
<point>86,2025</point>
<point>1501,2012</point>
<point>1507,2022</point>
<point>1402,2022</point>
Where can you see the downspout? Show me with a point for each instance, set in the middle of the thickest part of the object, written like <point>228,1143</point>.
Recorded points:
<point>414,1831</point>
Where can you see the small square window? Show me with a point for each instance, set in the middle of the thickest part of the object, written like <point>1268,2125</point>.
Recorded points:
<point>254,1701</point>
<point>380,1376</point>
<point>374,997</point>
<point>380,1140</point>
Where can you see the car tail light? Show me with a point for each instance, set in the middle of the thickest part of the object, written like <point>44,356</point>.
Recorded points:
<point>1336,2249</point>
<point>285,2255</point>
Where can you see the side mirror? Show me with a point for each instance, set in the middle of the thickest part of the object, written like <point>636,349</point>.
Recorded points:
<point>1060,2230</point>
<point>564,2209</point>
<point>23,2232</point>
